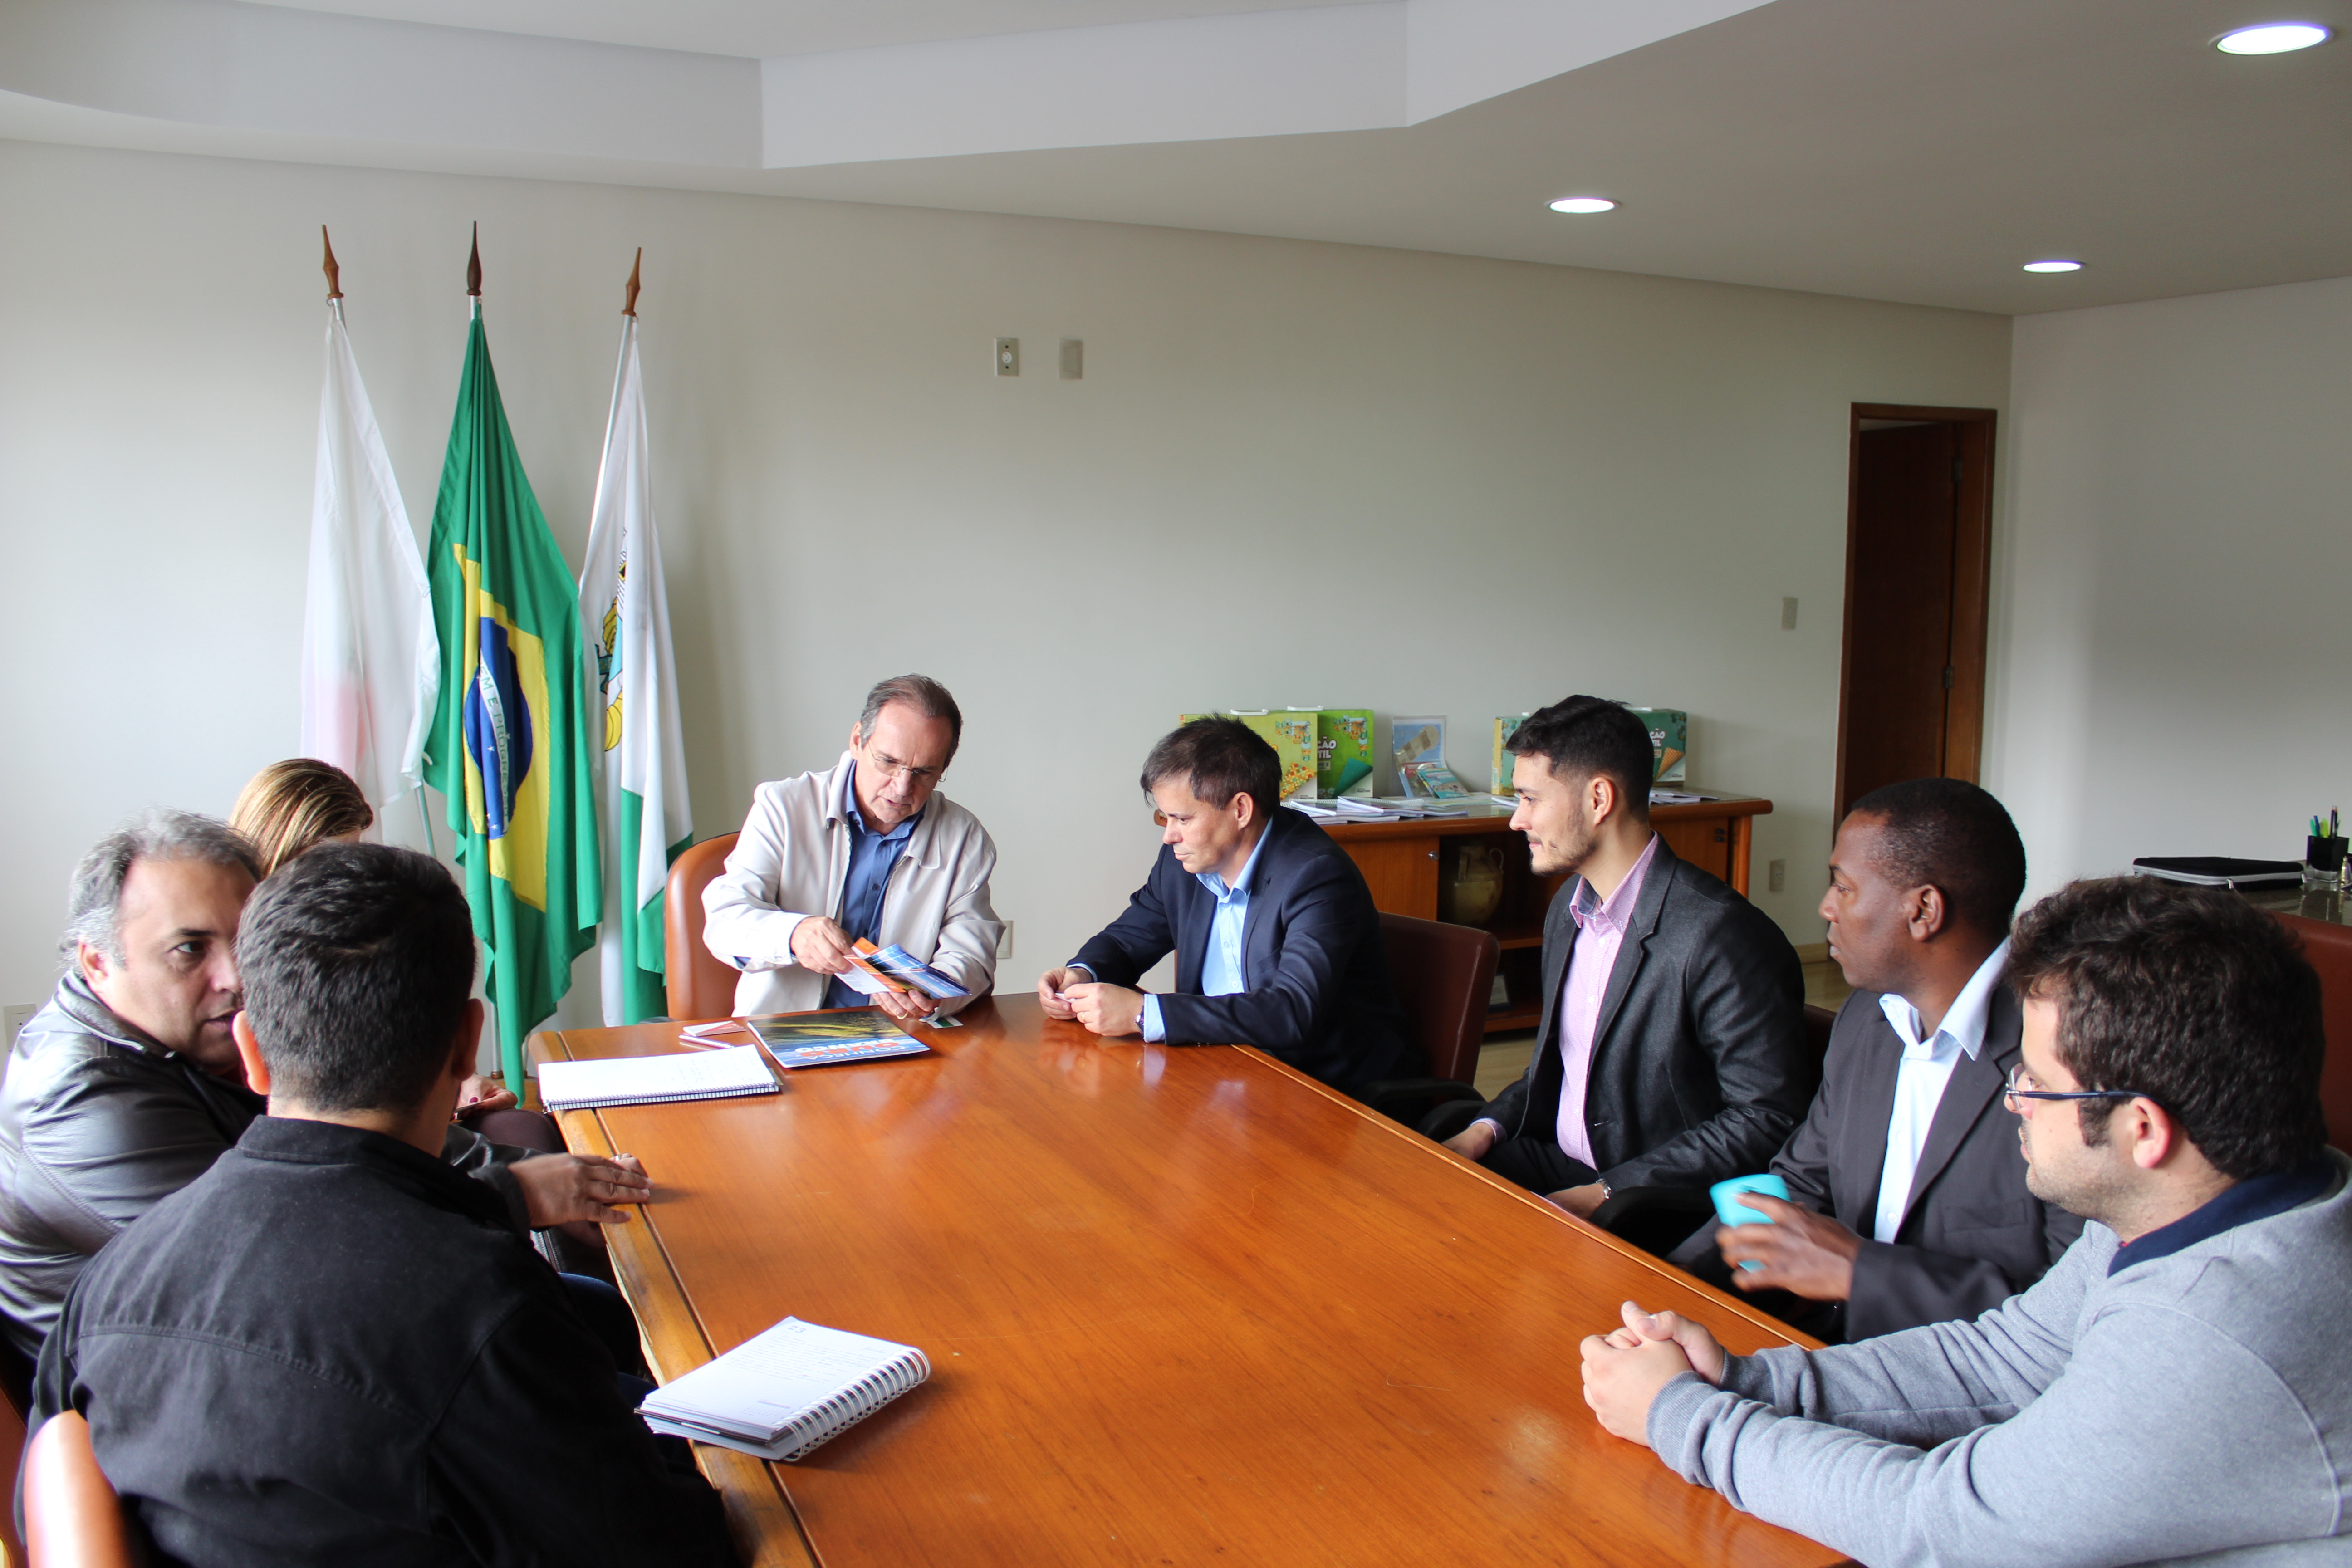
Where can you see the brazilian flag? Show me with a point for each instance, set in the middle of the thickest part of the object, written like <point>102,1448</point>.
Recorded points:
<point>510,743</point>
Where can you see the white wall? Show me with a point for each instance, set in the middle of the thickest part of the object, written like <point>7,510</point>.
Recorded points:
<point>1294,472</point>
<point>2175,589</point>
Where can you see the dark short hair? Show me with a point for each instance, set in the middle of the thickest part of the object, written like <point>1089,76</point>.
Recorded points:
<point>923,694</point>
<point>2190,996</point>
<point>1585,737</point>
<point>94,898</point>
<point>1221,758</point>
<point>357,961</point>
<point>1948,834</point>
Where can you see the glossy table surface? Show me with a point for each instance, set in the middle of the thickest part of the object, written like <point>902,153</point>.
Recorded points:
<point>1182,1306</point>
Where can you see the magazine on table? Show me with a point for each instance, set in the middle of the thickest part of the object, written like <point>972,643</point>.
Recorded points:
<point>815,1039</point>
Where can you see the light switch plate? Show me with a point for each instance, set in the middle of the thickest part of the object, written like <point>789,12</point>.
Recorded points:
<point>1776,877</point>
<point>1073,359</point>
<point>1787,614</point>
<point>1005,943</point>
<point>1008,356</point>
<point>14,1017</point>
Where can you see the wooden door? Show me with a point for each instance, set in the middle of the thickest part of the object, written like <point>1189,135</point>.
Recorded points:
<point>1912,700</point>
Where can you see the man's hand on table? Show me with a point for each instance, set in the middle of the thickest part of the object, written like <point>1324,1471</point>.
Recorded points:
<point>1107,1009</point>
<point>1624,1370</point>
<point>1804,1253</point>
<point>559,1189</point>
<point>821,945</point>
<point>1053,991</point>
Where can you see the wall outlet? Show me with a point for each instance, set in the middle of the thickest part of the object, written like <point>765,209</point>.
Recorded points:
<point>1005,943</point>
<point>14,1017</point>
<point>1787,614</point>
<point>1008,356</point>
<point>1776,877</point>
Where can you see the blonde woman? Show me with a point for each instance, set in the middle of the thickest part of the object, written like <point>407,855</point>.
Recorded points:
<point>288,807</point>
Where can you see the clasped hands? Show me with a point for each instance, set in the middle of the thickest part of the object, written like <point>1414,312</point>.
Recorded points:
<point>1105,1009</point>
<point>821,945</point>
<point>1625,1369</point>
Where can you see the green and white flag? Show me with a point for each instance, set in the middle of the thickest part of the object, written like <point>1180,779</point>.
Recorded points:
<point>647,817</point>
<point>510,743</point>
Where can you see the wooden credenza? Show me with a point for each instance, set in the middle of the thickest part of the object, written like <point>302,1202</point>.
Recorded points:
<point>1411,867</point>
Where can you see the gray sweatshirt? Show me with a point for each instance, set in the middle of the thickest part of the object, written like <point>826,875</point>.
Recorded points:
<point>2196,1404</point>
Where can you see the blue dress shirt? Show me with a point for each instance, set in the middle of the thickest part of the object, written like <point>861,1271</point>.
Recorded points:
<point>871,857</point>
<point>1221,971</point>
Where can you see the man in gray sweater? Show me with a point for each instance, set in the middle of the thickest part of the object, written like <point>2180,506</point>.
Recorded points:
<point>2174,1388</point>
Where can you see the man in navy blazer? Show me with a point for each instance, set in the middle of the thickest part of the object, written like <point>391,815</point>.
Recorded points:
<point>1670,1052</point>
<point>1909,1199</point>
<point>1277,945</point>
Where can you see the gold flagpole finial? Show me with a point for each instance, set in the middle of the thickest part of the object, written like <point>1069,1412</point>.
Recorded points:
<point>629,305</point>
<point>334,273</point>
<point>474,267</point>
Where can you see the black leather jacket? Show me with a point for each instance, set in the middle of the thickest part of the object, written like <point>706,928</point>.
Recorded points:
<point>97,1124</point>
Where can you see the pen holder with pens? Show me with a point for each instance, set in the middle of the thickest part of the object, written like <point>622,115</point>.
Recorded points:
<point>2323,861</point>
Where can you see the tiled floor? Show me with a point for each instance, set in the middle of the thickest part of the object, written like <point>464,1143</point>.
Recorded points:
<point>1504,1057</point>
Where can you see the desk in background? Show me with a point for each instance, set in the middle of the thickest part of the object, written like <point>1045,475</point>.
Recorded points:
<point>1184,1305</point>
<point>1410,865</point>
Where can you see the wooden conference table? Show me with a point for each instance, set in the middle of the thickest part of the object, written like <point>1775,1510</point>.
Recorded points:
<point>1182,1306</point>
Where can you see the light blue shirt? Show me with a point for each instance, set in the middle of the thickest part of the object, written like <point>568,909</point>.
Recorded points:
<point>1919,1083</point>
<point>1222,970</point>
<point>871,858</point>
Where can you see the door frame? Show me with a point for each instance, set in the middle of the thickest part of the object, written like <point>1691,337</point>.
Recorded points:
<point>1971,584</point>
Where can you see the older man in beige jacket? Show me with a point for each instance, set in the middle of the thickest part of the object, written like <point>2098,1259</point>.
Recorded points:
<point>867,848</point>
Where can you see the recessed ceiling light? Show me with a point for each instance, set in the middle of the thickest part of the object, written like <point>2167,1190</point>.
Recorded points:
<point>2271,38</point>
<point>1583,205</point>
<point>2053,266</point>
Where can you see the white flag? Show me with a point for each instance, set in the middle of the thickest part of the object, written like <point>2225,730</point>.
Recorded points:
<point>371,662</point>
<point>647,817</point>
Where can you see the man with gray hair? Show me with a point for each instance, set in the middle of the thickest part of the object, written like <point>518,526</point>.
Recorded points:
<point>868,850</point>
<point>127,1086</point>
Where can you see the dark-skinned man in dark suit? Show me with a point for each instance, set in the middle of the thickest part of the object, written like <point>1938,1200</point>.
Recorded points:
<point>1277,945</point>
<point>1909,1202</point>
<point>1671,1050</point>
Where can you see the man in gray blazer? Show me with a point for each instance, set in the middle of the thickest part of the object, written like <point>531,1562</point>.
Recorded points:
<point>1909,1198</point>
<point>1671,1050</point>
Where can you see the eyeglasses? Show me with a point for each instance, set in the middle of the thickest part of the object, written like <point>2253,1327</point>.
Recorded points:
<point>2017,1075</point>
<point>890,767</point>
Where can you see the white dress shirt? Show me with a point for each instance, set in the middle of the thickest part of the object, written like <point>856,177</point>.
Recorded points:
<point>1919,1085</point>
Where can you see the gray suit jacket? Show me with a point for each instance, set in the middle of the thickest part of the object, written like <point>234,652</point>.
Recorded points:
<point>1972,1235</point>
<point>1699,1066</point>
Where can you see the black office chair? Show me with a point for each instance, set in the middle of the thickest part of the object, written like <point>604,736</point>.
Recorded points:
<point>1443,975</point>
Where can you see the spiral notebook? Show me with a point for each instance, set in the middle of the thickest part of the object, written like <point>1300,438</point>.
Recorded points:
<point>654,1080</point>
<point>782,1392</point>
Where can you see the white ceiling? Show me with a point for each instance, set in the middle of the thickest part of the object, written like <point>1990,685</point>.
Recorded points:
<point>758,29</point>
<point>1916,152</point>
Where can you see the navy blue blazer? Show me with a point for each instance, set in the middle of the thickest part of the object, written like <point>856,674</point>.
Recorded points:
<point>1318,996</point>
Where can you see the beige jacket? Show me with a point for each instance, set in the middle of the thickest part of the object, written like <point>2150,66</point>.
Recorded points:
<point>791,862</point>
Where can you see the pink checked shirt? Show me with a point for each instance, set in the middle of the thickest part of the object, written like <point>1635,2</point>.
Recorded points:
<point>1601,932</point>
